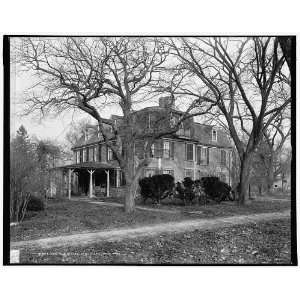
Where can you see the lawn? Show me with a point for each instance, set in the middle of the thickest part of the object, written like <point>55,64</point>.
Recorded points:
<point>67,217</point>
<point>262,243</point>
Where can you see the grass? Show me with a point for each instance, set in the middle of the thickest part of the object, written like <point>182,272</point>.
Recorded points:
<point>67,217</point>
<point>262,243</point>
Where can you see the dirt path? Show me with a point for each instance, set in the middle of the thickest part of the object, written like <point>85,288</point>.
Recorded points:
<point>144,231</point>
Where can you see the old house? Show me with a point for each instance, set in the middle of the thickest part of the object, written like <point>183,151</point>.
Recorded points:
<point>195,150</point>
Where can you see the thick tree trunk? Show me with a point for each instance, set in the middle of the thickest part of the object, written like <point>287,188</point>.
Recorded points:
<point>244,179</point>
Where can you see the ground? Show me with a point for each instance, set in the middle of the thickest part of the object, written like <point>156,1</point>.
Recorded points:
<point>69,217</point>
<point>262,243</point>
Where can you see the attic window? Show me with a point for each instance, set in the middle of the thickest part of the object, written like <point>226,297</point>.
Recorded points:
<point>214,135</point>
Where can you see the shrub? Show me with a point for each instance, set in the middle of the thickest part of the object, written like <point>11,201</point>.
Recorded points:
<point>189,192</point>
<point>157,187</point>
<point>35,204</point>
<point>216,189</point>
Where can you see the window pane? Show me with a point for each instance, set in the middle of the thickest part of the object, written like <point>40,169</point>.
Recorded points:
<point>189,152</point>
<point>166,149</point>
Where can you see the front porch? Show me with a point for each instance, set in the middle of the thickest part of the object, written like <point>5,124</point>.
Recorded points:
<point>92,180</point>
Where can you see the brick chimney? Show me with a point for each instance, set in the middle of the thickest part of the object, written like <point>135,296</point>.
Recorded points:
<point>167,102</point>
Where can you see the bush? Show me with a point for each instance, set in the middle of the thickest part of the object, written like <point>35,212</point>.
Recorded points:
<point>216,189</point>
<point>35,204</point>
<point>189,192</point>
<point>157,187</point>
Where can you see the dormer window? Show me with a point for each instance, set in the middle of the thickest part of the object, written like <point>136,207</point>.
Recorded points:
<point>214,135</point>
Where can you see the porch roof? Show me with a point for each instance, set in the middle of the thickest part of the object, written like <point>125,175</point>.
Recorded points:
<point>89,165</point>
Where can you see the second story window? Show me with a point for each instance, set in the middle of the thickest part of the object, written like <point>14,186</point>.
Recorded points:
<point>95,153</point>
<point>152,151</point>
<point>91,153</point>
<point>166,149</point>
<point>189,152</point>
<point>180,130</point>
<point>84,155</point>
<point>77,157</point>
<point>81,155</point>
<point>214,135</point>
<point>109,154</point>
<point>223,157</point>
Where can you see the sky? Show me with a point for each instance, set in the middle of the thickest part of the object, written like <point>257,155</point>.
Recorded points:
<point>52,127</point>
<point>48,127</point>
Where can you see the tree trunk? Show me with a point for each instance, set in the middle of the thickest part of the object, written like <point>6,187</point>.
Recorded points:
<point>244,179</point>
<point>270,178</point>
<point>131,188</point>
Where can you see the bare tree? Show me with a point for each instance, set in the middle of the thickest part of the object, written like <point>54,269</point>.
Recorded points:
<point>91,74</point>
<point>241,77</point>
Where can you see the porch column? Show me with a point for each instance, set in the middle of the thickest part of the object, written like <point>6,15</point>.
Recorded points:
<point>107,183</point>
<point>91,182</point>
<point>70,183</point>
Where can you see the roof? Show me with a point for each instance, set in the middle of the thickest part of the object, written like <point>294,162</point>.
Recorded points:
<point>88,165</point>
<point>203,134</point>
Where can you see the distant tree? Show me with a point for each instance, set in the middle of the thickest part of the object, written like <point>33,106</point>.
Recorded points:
<point>22,169</point>
<point>77,131</point>
<point>47,152</point>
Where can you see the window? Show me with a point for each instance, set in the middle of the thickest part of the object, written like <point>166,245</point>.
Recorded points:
<point>149,172</point>
<point>152,151</point>
<point>189,173</point>
<point>91,153</point>
<point>109,154</point>
<point>189,152</point>
<point>81,155</point>
<point>202,155</point>
<point>84,155</point>
<point>166,149</point>
<point>202,174</point>
<point>199,153</point>
<point>214,135</point>
<point>181,130</point>
<point>77,157</point>
<point>187,132</point>
<point>168,171</point>
<point>95,153</point>
<point>223,157</point>
<point>99,152</point>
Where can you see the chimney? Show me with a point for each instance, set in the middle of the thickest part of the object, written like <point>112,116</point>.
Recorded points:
<point>167,102</point>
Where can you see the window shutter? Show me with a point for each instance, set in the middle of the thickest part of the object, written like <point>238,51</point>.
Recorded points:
<point>87,154</point>
<point>158,148</point>
<point>172,145</point>
<point>99,152</point>
<point>207,155</point>
<point>198,155</point>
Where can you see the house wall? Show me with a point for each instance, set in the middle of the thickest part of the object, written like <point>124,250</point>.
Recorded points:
<point>179,164</point>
